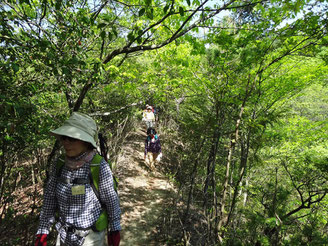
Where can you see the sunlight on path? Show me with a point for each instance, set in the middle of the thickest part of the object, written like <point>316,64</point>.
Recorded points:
<point>143,195</point>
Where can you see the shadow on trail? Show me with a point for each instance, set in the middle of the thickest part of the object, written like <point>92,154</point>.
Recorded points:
<point>142,216</point>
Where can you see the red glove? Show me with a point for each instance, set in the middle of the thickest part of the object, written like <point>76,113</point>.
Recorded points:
<point>114,238</point>
<point>41,240</point>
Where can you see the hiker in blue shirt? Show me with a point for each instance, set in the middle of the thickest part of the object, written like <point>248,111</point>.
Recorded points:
<point>153,150</point>
<point>70,193</point>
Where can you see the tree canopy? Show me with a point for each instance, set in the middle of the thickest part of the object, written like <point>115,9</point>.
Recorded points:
<point>242,90</point>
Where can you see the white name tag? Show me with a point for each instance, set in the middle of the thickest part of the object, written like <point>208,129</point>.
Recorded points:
<point>78,190</point>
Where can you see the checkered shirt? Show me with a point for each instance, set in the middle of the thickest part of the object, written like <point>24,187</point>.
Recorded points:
<point>80,211</point>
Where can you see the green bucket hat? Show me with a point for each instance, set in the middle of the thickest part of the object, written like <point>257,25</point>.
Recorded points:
<point>79,126</point>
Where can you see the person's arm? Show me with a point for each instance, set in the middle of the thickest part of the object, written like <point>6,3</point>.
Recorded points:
<point>47,216</point>
<point>109,197</point>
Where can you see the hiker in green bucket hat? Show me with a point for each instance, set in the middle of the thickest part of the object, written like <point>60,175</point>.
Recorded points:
<point>80,195</point>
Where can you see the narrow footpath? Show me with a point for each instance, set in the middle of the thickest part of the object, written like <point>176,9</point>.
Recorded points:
<point>144,195</point>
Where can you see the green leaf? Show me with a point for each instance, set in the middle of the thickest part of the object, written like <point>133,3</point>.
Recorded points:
<point>58,4</point>
<point>103,34</point>
<point>181,11</point>
<point>196,2</point>
<point>140,32</point>
<point>30,69</point>
<point>74,60</point>
<point>166,8</point>
<point>130,36</point>
<point>85,19</point>
<point>150,13</point>
<point>55,71</point>
<point>114,31</point>
<point>107,88</point>
<point>44,43</point>
<point>66,71</point>
<point>142,12</point>
<point>101,25</point>
<point>188,2</point>
<point>148,2</point>
<point>110,36</point>
<point>15,67</point>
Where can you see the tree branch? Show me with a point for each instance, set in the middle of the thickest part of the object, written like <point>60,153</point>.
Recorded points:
<point>115,111</point>
<point>180,32</point>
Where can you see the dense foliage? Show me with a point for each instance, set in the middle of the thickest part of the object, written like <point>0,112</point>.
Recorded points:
<point>242,88</point>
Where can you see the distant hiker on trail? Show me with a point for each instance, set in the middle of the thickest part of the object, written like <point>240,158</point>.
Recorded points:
<point>80,193</point>
<point>149,117</point>
<point>153,150</point>
<point>152,108</point>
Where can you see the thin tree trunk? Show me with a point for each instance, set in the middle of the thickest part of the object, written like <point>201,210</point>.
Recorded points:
<point>193,176</point>
<point>211,164</point>
<point>209,179</point>
<point>226,179</point>
<point>242,171</point>
<point>245,193</point>
<point>233,140</point>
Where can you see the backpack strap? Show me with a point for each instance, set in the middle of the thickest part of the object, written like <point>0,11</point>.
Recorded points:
<point>95,169</point>
<point>102,221</point>
<point>94,174</point>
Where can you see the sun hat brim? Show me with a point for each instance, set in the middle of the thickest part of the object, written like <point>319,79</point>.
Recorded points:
<point>74,132</point>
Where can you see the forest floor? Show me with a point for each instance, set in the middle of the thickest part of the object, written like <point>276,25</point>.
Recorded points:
<point>144,195</point>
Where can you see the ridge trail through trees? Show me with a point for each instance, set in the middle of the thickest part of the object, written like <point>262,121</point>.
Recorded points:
<point>144,195</point>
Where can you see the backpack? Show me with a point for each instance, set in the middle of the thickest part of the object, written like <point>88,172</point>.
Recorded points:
<point>102,221</point>
<point>149,138</point>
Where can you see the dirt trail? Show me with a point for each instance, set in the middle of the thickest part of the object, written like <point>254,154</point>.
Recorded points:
<point>144,194</point>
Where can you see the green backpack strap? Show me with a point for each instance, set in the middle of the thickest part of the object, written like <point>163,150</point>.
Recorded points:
<point>95,169</point>
<point>102,222</point>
